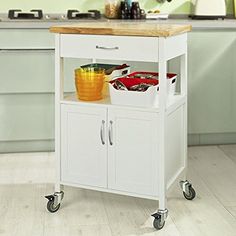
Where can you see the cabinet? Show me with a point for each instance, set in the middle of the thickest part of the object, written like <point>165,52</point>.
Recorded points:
<point>211,86</point>
<point>135,151</point>
<point>213,111</point>
<point>111,143</point>
<point>26,91</point>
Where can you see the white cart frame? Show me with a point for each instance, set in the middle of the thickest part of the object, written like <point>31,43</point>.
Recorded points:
<point>155,49</point>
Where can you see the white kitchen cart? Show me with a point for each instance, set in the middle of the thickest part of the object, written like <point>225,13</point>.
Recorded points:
<point>135,151</point>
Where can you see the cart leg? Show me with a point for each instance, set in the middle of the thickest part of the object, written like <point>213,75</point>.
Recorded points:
<point>54,200</point>
<point>188,191</point>
<point>58,187</point>
<point>162,213</point>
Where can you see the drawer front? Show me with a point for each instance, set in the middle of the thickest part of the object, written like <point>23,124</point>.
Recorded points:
<point>26,117</point>
<point>26,38</point>
<point>27,71</point>
<point>110,47</point>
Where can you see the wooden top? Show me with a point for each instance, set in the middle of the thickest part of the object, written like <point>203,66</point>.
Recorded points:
<point>151,29</point>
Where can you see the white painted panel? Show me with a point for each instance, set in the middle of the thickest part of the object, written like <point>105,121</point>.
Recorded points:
<point>83,155</point>
<point>133,160</point>
<point>212,85</point>
<point>176,46</point>
<point>174,159</point>
<point>27,71</point>
<point>26,117</point>
<point>124,47</point>
<point>26,38</point>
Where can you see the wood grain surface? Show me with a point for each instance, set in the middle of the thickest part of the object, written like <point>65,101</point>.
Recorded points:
<point>151,29</point>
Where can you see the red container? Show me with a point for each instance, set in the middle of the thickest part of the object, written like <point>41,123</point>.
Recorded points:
<point>148,98</point>
<point>136,78</point>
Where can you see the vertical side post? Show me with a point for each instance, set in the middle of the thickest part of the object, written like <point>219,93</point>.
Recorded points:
<point>59,93</point>
<point>184,92</point>
<point>162,66</point>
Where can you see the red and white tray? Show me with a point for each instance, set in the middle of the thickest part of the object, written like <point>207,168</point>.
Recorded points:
<point>148,98</point>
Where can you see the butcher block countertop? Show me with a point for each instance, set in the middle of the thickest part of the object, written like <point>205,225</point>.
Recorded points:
<point>122,28</point>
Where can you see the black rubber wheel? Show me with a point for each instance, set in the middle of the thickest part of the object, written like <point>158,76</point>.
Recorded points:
<point>192,194</point>
<point>157,224</point>
<point>51,208</point>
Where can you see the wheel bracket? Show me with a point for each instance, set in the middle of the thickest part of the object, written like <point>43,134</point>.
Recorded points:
<point>56,198</point>
<point>185,185</point>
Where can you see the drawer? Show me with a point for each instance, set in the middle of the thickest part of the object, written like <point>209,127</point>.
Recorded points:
<point>26,38</point>
<point>110,47</point>
<point>26,117</point>
<point>25,71</point>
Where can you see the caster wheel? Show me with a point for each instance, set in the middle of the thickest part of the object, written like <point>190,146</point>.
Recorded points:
<point>157,224</point>
<point>191,195</point>
<point>51,208</point>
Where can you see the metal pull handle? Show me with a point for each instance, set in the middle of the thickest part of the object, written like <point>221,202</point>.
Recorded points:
<point>110,133</point>
<point>107,48</point>
<point>102,132</point>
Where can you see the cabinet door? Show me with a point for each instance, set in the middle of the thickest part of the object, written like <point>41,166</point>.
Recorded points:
<point>132,151</point>
<point>212,82</point>
<point>83,155</point>
<point>26,118</point>
<point>27,71</point>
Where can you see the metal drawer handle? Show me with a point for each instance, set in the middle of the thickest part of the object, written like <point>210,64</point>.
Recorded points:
<point>107,48</point>
<point>102,132</point>
<point>110,133</point>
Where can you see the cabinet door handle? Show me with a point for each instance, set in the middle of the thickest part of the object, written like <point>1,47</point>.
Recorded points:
<point>110,133</point>
<point>107,48</point>
<point>102,132</point>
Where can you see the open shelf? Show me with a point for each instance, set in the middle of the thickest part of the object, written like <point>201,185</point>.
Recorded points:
<point>174,102</point>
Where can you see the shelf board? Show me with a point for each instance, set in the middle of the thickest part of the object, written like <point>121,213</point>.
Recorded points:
<point>172,104</point>
<point>72,99</point>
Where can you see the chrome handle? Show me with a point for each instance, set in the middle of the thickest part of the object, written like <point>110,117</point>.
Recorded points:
<point>102,132</point>
<point>107,48</point>
<point>110,133</point>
